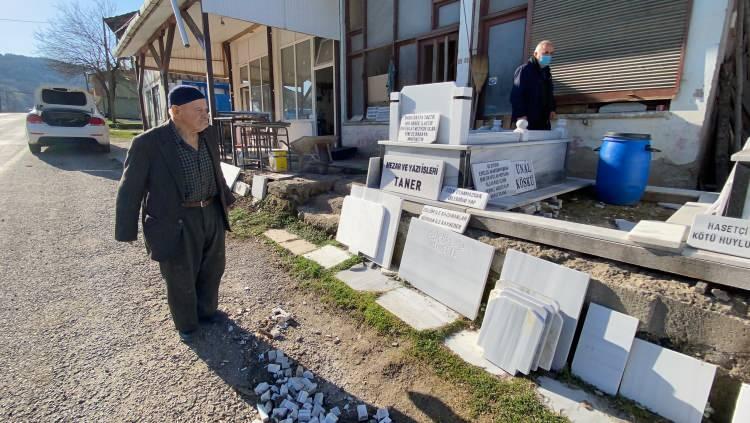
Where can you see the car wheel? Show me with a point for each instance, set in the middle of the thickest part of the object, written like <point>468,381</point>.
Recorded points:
<point>35,148</point>
<point>104,148</point>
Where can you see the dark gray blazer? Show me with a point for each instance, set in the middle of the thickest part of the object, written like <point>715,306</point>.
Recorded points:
<point>152,181</point>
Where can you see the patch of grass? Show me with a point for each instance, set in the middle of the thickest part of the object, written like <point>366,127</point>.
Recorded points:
<point>125,124</point>
<point>258,219</point>
<point>123,133</point>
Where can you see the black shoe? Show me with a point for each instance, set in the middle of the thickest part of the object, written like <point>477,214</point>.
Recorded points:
<point>186,337</point>
<point>214,318</point>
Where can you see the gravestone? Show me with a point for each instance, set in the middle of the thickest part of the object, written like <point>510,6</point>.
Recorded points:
<point>720,234</point>
<point>455,221</point>
<point>666,382</point>
<point>603,348</point>
<point>464,197</point>
<point>419,127</point>
<point>353,233</point>
<point>258,189</point>
<point>447,266</point>
<point>564,285</point>
<point>412,176</point>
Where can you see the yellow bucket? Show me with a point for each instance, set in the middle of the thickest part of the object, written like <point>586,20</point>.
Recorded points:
<point>277,159</point>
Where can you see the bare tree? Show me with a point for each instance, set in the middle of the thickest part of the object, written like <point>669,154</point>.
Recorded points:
<point>77,38</point>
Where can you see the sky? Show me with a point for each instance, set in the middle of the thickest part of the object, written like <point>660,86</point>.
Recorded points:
<point>18,37</point>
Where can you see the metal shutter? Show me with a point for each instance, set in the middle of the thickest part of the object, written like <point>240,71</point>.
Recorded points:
<point>626,48</point>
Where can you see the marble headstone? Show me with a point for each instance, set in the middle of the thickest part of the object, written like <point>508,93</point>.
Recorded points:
<point>392,205</point>
<point>494,178</point>
<point>412,176</point>
<point>603,348</point>
<point>447,266</point>
<point>419,127</point>
<point>360,225</point>
<point>725,235</point>
<point>657,234</point>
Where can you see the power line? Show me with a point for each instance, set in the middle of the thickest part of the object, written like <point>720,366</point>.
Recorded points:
<point>22,21</point>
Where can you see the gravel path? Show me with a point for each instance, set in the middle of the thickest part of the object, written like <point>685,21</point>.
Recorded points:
<point>86,333</point>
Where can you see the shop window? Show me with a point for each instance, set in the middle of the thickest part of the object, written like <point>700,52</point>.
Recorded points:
<point>296,78</point>
<point>357,87</point>
<point>323,51</point>
<point>500,5</point>
<point>505,43</point>
<point>378,64</point>
<point>379,23</point>
<point>448,14</point>
<point>255,86</point>
<point>438,59</point>
<point>414,18</point>
<point>407,65</point>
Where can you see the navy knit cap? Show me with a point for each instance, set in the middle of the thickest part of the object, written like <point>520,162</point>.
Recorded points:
<point>183,94</point>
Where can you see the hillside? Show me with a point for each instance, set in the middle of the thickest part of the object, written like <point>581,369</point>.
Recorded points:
<point>21,75</point>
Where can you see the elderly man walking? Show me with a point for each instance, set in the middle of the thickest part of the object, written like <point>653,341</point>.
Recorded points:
<point>532,95</point>
<point>172,176</point>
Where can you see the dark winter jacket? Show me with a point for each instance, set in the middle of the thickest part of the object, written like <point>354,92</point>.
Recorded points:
<point>152,184</point>
<point>532,94</point>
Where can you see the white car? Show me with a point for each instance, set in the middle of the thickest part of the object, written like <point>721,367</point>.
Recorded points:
<point>65,115</point>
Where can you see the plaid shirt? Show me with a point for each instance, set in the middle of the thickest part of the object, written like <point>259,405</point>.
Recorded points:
<point>197,168</point>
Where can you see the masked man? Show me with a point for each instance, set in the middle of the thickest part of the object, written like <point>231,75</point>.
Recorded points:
<point>532,97</point>
<point>172,175</point>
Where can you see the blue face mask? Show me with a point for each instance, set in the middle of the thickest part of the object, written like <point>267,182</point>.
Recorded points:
<point>545,60</point>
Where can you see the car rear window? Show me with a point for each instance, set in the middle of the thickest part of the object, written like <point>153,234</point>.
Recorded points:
<point>67,98</point>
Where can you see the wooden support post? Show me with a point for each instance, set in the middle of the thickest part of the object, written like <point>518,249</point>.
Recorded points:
<point>228,71</point>
<point>739,63</point>
<point>269,42</point>
<point>139,69</point>
<point>210,94</point>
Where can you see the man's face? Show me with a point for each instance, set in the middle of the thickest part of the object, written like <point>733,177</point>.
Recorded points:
<point>193,115</point>
<point>546,49</point>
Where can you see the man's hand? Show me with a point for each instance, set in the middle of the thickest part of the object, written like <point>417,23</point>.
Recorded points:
<point>552,115</point>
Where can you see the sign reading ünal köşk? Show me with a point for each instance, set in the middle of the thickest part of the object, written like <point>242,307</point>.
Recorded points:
<point>504,177</point>
<point>412,176</point>
<point>419,127</point>
<point>721,234</point>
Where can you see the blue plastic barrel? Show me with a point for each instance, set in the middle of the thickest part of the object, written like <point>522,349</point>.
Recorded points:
<point>624,165</point>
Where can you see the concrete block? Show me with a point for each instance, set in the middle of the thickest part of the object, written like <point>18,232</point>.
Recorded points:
<point>302,397</point>
<point>273,368</point>
<point>336,411</point>
<point>308,375</point>
<point>263,413</point>
<point>331,418</point>
<point>362,278</point>
<point>259,188</point>
<point>299,247</point>
<point>362,413</point>
<point>381,413</point>
<point>261,388</point>
<point>328,256</point>
<point>417,310</point>
<point>319,397</point>
<point>266,396</point>
<point>279,235</point>
<point>280,412</point>
<point>241,188</point>
<point>657,234</point>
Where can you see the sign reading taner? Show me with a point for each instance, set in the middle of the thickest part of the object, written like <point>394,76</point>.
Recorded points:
<point>419,127</point>
<point>721,234</point>
<point>412,176</point>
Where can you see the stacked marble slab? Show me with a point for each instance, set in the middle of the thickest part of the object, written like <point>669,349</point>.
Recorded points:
<point>520,330</point>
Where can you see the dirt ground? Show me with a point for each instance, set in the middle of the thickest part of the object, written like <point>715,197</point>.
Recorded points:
<point>583,207</point>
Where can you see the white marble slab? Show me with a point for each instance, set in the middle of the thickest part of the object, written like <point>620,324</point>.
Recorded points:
<point>240,188</point>
<point>258,190</point>
<point>415,176</point>
<point>529,357</point>
<point>511,333</point>
<point>360,225</point>
<point>494,178</point>
<point>416,309</point>
<point>464,197</point>
<point>742,408</point>
<point>363,278</point>
<point>464,344</point>
<point>392,205</point>
<point>231,173</point>
<point>523,176</point>
<point>578,405</point>
<point>725,235</point>
<point>419,127</point>
<point>447,266</point>
<point>603,348</point>
<point>452,220</point>
<point>686,214</point>
<point>328,256</point>
<point>657,234</point>
<point>566,286</point>
<point>666,382</point>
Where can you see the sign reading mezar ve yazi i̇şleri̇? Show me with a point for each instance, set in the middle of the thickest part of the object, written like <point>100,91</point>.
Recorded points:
<point>721,234</point>
<point>456,221</point>
<point>412,176</point>
<point>419,127</point>
<point>464,197</point>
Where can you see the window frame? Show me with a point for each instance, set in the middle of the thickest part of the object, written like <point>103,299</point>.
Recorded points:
<point>293,45</point>
<point>265,108</point>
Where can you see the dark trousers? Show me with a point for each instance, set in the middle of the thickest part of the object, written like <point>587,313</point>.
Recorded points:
<point>194,273</point>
